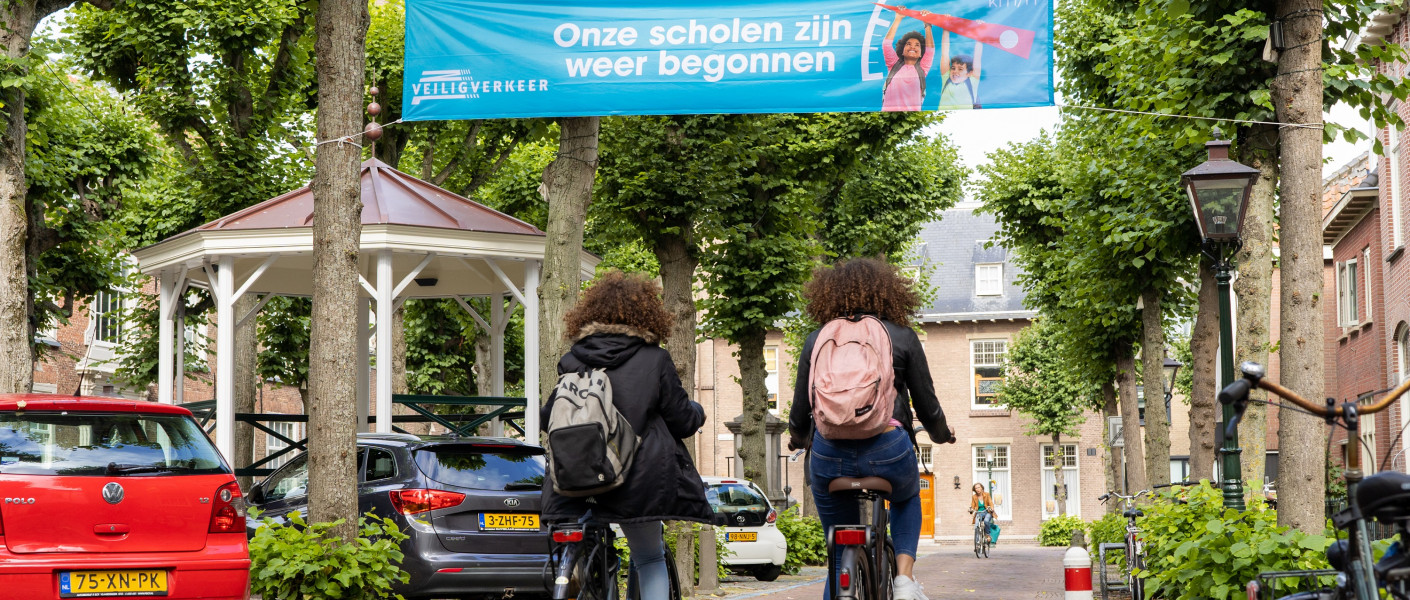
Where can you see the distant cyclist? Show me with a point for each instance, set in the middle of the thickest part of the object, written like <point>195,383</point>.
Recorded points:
<point>981,506</point>
<point>855,290</point>
<point>617,326</point>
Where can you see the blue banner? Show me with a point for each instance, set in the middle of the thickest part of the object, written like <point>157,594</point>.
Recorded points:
<point>471,59</point>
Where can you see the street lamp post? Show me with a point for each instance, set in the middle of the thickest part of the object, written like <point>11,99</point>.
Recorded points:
<point>1172,367</point>
<point>1218,189</point>
<point>989,461</point>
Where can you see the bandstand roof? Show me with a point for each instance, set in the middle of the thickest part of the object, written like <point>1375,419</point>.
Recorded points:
<point>452,245</point>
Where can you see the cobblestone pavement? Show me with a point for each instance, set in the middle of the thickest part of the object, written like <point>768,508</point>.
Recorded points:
<point>947,572</point>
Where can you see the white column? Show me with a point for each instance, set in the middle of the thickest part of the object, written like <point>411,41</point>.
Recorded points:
<point>225,358</point>
<point>531,351</point>
<point>166,297</point>
<point>364,362</point>
<point>180,395</point>
<point>497,323</point>
<point>384,341</point>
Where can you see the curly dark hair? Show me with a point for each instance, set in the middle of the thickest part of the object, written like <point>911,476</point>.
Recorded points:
<point>620,299</point>
<point>860,285</point>
<point>911,35</point>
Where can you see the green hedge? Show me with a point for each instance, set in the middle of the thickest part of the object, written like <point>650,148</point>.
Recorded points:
<point>1057,531</point>
<point>295,560</point>
<point>806,543</point>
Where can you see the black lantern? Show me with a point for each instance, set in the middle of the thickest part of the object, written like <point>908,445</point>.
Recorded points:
<point>1219,190</point>
<point>1172,367</point>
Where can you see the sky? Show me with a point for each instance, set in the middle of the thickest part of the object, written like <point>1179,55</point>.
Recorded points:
<point>980,132</point>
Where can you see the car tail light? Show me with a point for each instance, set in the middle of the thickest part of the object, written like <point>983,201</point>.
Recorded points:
<point>410,502</point>
<point>773,516</point>
<point>563,537</point>
<point>228,510</point>
<point>849,537</point>
<point>844,579</point>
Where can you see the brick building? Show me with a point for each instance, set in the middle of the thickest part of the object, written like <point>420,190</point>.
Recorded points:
<point>966,331</point>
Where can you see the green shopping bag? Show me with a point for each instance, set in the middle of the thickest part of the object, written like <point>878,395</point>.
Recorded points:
<point>993,533</point>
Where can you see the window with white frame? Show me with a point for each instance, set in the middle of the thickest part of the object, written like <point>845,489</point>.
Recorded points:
<point>995,478</point>
<point>1397,225</point>
<point>989,279</point>
<point>293,431</point>
<point>1366,291</point>
<point>987,360</point>
<point>106,315</point>
<point>926,454</point>
<point>771,376</point>
<point>1070,480</point>
<point>1347,306</point>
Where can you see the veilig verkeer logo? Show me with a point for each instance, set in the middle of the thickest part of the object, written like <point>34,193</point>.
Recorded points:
<point>458,84</point>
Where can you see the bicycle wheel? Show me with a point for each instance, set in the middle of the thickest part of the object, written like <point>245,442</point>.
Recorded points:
<point>986,544</point>
<point>886,573</point>
<point>597,577</point>
<point>1134,581</point>
<point>977,542</point>
<point>633,583</point>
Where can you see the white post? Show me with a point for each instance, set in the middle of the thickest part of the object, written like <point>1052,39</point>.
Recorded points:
<point>225,358</point>
<point>531,351</point>
<point>364,362</point>
<point>384,341</point>
<point>497,323</point>
<point>166,295</point>
<point>180,395</point>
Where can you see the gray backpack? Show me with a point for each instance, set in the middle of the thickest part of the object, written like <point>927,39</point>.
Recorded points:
<point>590,444</point>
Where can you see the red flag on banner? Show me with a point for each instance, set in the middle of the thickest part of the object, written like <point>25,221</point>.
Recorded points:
<point>1013,40</point>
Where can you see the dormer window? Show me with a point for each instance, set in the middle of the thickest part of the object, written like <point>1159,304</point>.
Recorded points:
<point>989,279</point>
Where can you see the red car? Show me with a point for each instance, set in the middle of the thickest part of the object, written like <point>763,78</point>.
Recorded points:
<point>104,498</point>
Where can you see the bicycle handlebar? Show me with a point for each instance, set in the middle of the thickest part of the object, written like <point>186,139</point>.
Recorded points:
<point>1254,376</point>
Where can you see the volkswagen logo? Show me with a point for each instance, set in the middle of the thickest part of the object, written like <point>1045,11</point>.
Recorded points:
<point>112,492</point>
<point>511,502</point>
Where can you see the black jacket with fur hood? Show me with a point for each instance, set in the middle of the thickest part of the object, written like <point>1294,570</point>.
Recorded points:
<point>662,483</point>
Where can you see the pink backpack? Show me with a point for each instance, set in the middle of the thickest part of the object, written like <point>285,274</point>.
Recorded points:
<point>853,386</point>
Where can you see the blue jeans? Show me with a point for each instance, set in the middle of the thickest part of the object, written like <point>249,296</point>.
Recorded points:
<point>889,456</point>
<point>649,558</point>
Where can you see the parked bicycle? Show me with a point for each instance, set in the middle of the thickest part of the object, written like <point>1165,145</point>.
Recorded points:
<point>1133,547</point>
<point>861,558</point>
<point>585,565</point>
<point>1383,497</point>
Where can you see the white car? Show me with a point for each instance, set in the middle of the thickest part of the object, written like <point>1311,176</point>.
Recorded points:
<point>758,547</point>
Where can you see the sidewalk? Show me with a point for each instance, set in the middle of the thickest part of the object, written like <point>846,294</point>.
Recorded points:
<point>947,572</point>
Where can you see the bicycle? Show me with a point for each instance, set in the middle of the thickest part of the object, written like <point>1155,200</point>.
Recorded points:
<point>1133,546</point>
<point>866,565</point>
<point>982,538</point>
<point>1382,497</point>
<point>584,563</point>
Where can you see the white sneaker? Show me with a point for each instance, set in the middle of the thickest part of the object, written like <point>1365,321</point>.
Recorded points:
<point>905,588</point>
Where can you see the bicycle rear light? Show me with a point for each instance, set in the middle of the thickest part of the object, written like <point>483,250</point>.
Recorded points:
<point>849,537</point>
<point>844,579</point>
<point>572,535</point>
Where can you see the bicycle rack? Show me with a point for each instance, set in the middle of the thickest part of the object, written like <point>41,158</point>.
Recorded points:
<point>1108,584</point>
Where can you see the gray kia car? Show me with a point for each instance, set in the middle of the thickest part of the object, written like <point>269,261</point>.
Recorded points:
<point>470,505</point>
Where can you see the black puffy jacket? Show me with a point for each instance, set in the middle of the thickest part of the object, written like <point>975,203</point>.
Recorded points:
<point>913,387</point>
<point>662,484</point>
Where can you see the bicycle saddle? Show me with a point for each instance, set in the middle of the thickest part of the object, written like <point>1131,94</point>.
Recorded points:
<point>1133,512</point>
<point>858,484</point>
<point>1385,496</point>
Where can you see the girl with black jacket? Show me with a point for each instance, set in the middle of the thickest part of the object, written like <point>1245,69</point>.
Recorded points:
<point>872,287</point>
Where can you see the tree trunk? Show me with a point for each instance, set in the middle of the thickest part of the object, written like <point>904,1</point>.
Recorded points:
<point>1204,346</point>
<point>399,385</point>
<point>1254,289</point>
<point>16,350</point>
<point>1130,422</point>
<point>678,265</point>
<point>1059,458</point>
<point>752,451</point>
<point>337,226</point>
<point>1110,408</point>
<point>1153,374</point>
<point>1297,95</point>
<point>246,354</point>
<point>567,187</point>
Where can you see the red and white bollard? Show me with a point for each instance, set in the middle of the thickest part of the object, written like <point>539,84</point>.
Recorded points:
<point>1077,567</point>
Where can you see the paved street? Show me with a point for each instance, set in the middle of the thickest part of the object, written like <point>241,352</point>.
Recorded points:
<point>1011,573</point>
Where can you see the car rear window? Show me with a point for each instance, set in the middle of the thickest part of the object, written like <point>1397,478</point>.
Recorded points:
<point>735,497</point>
<point>482,468</point>
<point>104,444</point>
